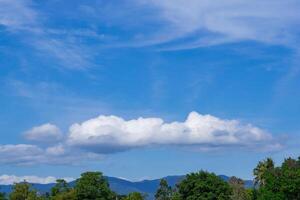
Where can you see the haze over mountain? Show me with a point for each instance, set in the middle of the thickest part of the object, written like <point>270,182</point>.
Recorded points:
<point>122,186</point>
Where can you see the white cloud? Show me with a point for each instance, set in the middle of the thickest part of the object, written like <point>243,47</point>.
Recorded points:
<point>213,22</point>
<point>11,179</point>
<point>21,16</point>
<point>178,24</point>
<point>91,139</point>
<point>56,150</point>
<point>106,134</point>
<point>44,133</point>
<point>72,55</point>
<point>24,154</point>
<point>20,153</point>
<point>16,14</point>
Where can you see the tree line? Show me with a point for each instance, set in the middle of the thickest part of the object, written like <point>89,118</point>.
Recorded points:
<point>270,183</point>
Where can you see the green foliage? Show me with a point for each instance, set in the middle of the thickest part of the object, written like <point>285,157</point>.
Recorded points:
<point>23,191</point>
<point>60,187</point>
<point>252,193</point>
<point>175,196</point>
<point>2,196</point>
<point>261,169</point>
<point>281,182</point>
<point>238,190</point>
<point>93,186</point>
<point>271,183</point>
<point>164,191</point>
<point>204,186</point>
<point>68,195</point>
<point>61,191</point>
<point>135,196</point>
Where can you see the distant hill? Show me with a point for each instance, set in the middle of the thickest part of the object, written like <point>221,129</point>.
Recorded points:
<point>122,186</point>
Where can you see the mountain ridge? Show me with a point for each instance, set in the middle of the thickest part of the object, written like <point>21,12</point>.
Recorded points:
<point>122,186</point>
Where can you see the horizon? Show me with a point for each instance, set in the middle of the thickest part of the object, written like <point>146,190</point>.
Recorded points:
<point>7,179</point>
<point>147,89</point>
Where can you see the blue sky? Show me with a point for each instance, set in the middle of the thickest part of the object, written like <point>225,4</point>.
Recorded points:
<point>144,89</point>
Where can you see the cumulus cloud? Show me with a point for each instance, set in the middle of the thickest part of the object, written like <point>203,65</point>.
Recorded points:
<point>106,134</point>
<point>44,133</point>
<point>91,139</point>
<point>11,179</point>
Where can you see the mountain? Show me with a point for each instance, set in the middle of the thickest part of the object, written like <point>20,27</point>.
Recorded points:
<point>122,186</point>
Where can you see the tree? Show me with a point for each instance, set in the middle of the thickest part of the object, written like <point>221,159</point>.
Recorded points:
<point>281,182</point>
<point>204,186</point>
<point>175,195</point>
<point>2,196</point>
<point>252,193</point>
<point>93,186</point>
<point>290,178</point>
<point>164,192</point>
<point>61,191</point>
<point>61,186</point>
<point>135,196</point>
<point>69,195</point>
<point>238,190</point>
<point>261,169</point>
<point>23,191</point>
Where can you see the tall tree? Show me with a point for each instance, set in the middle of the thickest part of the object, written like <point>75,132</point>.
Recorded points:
<point>164,191</point>
<point>23,191</point>
<point>260,171</point>
<point>61,186</point>
<point>93,186</point>
<point>61,191</point>
<point>238,189</point>
<point>69,195</point>
<point>2,196</point>
<point>281,182</point>
<point>135,196</point>
<point>204,186</point>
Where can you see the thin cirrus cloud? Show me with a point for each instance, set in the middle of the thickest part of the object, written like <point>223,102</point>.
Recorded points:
<point>214,22</point>
<point>25,20</point>
<point>108,134</point>
<point>179,24</point>
<point>16,14</point>
<point>172,25</point>
<point>11,179</point>
<point>44,133</point>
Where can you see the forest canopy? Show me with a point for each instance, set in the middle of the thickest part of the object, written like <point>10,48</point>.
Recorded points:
<point>270,182</point>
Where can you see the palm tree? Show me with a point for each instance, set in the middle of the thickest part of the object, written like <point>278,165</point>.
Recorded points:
<point>261,169</point>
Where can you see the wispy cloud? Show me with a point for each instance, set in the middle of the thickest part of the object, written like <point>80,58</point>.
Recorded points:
<point>175,25</point>
<point>167,25</point>
<point>71,55</point>
<point>48,97</point>
<point>28,23</point>
<point>17,14</point>
<point>213,22</point>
